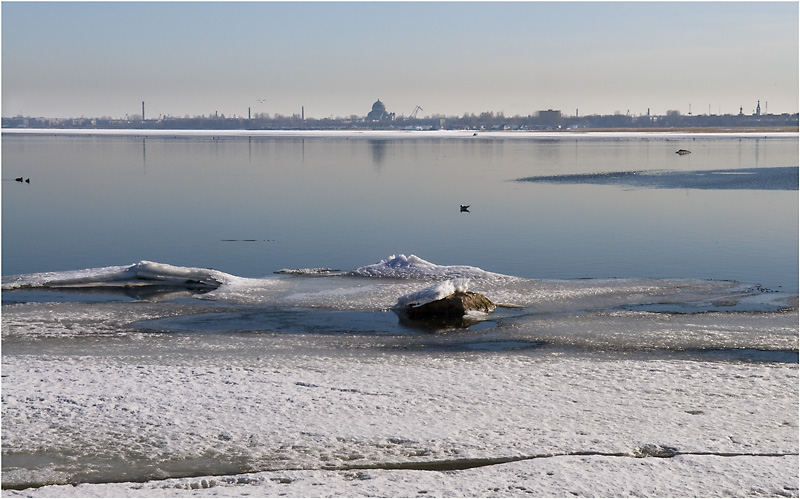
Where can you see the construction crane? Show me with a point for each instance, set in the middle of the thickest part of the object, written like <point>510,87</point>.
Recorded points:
<point>414,112</point>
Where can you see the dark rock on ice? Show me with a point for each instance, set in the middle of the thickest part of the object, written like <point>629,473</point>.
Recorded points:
<point>454,306</point>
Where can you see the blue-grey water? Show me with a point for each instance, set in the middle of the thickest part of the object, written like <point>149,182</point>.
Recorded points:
<point>559,208</point>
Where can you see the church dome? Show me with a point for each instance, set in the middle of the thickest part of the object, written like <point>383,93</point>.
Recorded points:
<point>379,113</point>
<point>378,107</point>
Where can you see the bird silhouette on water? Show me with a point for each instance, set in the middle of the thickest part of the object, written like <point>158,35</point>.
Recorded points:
<point>465,208</point>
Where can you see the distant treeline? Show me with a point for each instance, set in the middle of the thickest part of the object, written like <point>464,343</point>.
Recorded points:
<point>484,121</point>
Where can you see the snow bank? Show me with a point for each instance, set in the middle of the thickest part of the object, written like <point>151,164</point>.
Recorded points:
<point>413,267</point>
<point>142,272</point>
<point>170,273</point>
<point>69,278</point>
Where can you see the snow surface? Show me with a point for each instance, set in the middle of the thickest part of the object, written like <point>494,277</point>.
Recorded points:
<point>347,424</point>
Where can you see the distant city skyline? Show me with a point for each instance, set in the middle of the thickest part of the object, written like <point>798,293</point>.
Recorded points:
<point>333,59</point>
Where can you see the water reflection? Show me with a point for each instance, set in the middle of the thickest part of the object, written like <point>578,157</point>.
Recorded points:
<point>378,150</point>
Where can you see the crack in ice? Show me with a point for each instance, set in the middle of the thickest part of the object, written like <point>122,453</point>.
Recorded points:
<point>465,464</point>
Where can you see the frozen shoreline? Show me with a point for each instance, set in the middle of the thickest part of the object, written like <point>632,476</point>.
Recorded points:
<point>356,424</point>
<point>398,134</point>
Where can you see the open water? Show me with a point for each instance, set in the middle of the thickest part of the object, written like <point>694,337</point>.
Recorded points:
<point>561,207</point>
<point>230,249</point>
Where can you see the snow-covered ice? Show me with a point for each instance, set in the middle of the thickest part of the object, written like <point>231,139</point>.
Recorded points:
<point>349,424</point>
<point>143,272</point>
<point>305,384</point>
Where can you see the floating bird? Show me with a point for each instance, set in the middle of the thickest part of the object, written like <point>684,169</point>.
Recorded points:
<point>465,208</point>
<point>27,181</point>
<point>683,151</point>
<point>18,179</point>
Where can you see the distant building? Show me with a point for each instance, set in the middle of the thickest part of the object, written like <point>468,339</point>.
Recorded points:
<point>758,109</point>
<point>379,113</point>
<point>551,117</point>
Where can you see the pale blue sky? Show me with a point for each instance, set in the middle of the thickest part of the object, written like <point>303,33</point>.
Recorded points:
<point>67,59</point>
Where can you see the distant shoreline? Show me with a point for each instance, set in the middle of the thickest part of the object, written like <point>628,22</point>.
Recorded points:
<point>710,129</point>
<point>750,132</point>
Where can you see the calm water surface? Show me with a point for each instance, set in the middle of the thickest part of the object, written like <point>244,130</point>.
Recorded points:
<point>252,205</point>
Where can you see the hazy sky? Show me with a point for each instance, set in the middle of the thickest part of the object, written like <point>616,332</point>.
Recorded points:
<point>70,59</point>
